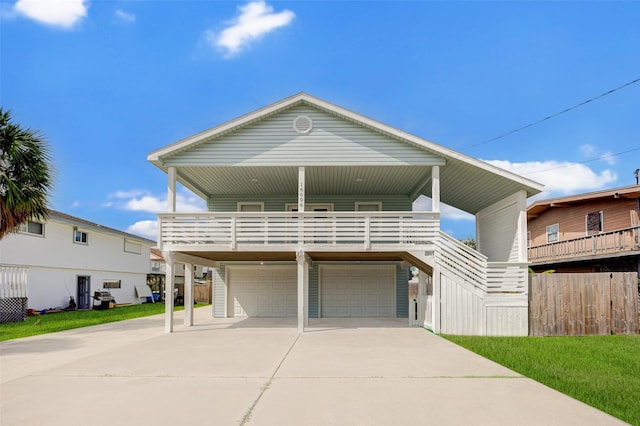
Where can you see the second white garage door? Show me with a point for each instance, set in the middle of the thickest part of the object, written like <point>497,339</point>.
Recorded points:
<point>358,291</point>
<point>263,291</point>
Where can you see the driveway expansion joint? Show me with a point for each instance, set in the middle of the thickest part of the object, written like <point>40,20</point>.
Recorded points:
<point>247,416</point>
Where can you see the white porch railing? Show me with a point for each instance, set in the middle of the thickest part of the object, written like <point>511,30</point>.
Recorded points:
<point>507,278</point>
<point>13,282</point>
<point>281,230</point>
<point>627,239</point>
<point>475,269</point>
<point>462,260</point>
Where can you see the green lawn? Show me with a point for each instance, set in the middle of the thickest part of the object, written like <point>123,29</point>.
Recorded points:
<point>48,323</point>
<point>602,371</point>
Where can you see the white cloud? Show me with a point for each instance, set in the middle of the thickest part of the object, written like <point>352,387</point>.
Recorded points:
<point>57,13</point>
<point>145,228</point>
<point>609,158</point>
<point>256,19</point>
<point>145,201</point>
<point>591,152</point>
<point>560,177</point>
<point>588,150</point>
<point>125,17</point>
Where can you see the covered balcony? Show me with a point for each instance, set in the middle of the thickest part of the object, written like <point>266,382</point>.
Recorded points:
<point>621,242</point>
<point>292,231</point>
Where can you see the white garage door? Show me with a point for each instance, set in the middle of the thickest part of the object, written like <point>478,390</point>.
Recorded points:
<point>358,291</point>
<point>263,291</point>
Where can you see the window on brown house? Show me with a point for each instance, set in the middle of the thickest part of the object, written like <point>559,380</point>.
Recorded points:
<point>594,223</point>
<point>552,233</point>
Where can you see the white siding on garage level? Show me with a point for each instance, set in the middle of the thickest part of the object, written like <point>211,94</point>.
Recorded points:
<point>462,307</point>
<point>332,141</point>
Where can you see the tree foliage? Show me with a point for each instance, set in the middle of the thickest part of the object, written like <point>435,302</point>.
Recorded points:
<point>26,175</point>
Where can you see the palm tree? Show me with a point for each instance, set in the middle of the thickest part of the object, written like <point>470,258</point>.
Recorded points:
<point>26,175</point>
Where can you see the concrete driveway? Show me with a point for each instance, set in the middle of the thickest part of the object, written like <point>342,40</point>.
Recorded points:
<point>261,372</point>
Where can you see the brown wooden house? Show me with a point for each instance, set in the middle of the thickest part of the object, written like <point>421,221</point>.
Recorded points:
<point>592,232</point>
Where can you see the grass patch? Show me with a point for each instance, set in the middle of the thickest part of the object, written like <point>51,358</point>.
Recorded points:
<point>602,371</point>
<point>49,323</point>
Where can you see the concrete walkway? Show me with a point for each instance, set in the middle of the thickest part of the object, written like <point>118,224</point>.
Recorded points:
<point>262,372</point>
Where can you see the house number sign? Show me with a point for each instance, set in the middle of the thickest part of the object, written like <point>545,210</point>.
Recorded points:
<point>301,196</point>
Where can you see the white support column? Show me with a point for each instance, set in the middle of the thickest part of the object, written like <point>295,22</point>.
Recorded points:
<point>422,291</point>
<point>301,194</point>
<point>435,207</point>
<point>435,189</point>
<point>188,294</point>
<point>435,320</point>
<point>301,190</point>
<point>171,189</point>
<point>522,226</point>
<point>169,285</point>
<point>303,284</point>
<point>306,293</point>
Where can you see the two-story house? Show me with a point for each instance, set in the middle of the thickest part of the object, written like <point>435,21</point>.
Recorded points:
<point>593,232</point>
<point>310,216</point>
<point>70,257</point>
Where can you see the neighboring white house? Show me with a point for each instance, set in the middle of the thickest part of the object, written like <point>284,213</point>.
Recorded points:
<point>310,216</point>
<point>71,257</point>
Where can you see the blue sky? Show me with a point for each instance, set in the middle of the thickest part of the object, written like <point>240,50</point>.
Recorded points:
<point>107,82</point>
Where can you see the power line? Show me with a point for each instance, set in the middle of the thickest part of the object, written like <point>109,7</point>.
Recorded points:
<point>602,157</point>
<point>556,114</point>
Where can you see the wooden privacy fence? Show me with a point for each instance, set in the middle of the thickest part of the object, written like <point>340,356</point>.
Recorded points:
<point>583,304</point>
<point>201,292</point>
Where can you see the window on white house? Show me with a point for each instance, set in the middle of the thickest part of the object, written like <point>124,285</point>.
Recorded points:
<point>132,247</point>
<point>111,284</point>
<point>594,223</point>
<point>33,228</point>
<point>368,206</point>
<point>80,237</point>
<point>552,233</point>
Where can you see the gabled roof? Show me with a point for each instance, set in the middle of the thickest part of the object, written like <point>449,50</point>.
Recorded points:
<point>540,206</point>
<point>85,224</point>
<point>466,183</point>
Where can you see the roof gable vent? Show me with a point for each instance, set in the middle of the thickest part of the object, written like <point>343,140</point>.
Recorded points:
<point>302,124</point>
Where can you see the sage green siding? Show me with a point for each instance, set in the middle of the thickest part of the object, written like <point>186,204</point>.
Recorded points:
<point>403,275</point>
<point>314,294</point>
<point>340,203</point>
<point>219,291</point>
<point>332,141</point>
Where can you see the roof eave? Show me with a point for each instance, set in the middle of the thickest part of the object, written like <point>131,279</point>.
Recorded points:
<point>156,157</point>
